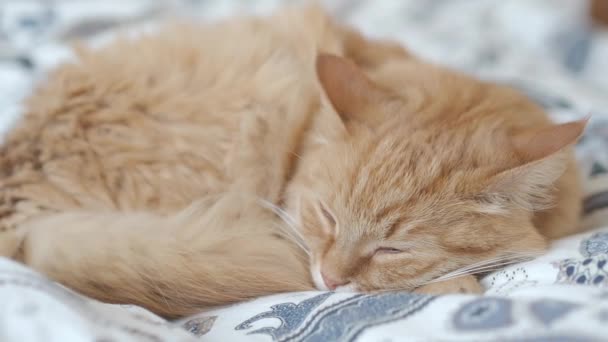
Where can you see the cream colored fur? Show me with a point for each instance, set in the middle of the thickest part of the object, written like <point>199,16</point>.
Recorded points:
<point>183,170</point>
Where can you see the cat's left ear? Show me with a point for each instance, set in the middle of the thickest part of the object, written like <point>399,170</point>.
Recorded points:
<point>543,157</point>
<point>352,94</point>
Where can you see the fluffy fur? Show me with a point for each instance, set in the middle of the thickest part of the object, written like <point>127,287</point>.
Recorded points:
<point>204,165</point>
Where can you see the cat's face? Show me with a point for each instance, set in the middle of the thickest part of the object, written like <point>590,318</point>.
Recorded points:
<point>393,206</point>
<point>380,212</point>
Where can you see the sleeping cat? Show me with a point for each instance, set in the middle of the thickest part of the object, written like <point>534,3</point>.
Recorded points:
<point>208,164</point>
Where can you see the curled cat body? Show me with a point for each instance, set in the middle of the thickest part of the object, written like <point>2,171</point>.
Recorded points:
<point>206,164</point>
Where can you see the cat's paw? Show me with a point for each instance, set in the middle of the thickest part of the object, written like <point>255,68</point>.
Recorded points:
<point>465,284</point>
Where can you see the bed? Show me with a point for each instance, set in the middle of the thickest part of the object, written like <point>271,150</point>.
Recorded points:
<point>547,48</point>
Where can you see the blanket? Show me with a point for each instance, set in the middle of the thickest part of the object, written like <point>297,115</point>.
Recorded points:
<point>546,48</point>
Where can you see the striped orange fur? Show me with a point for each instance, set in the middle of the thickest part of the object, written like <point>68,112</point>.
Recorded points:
<point>208,164</point>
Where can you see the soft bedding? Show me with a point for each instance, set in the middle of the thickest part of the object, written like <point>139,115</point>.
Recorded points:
<point>544,47</point>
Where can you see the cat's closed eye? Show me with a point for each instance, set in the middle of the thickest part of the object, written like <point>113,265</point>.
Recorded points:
<point>387,250</point>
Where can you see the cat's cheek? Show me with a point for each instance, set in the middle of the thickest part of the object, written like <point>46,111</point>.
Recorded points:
<point>388,271</point>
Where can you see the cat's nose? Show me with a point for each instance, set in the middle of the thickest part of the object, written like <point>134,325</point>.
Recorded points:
<point>333,283</point>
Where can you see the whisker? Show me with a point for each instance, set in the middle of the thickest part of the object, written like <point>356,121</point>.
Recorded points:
<point>482,269</point>
<point>286,233</point>
<point>513,258</point>
<point>296,155</point>
<point>498,262</point>
<point>503,257</point>
<point>291,238</point>
<point>290,228</point>
<point>487,265</point>
<point>278,211</point>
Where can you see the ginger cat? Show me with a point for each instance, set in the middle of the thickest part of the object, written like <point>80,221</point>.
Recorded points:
<point>209,164</point>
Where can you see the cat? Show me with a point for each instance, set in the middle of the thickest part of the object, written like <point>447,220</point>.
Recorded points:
<point>207,164</point>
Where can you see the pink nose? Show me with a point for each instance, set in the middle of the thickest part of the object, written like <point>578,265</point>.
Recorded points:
<point>332,283</point>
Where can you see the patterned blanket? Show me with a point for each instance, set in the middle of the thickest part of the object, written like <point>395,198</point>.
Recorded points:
<point>544,47</point>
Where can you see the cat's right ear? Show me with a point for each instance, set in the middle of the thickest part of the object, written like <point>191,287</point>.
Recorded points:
<point>542,157</point>
<point>352,94</point>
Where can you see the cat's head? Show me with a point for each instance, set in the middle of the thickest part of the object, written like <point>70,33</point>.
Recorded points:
<point>393,200</point>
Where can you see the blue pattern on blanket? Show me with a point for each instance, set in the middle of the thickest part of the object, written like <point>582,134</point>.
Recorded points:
<point>291,316</point>
<point>596,244</point>
<point>548,311</point>
<point>199,326</point>
<point>593,270</point>
<point>341,321</point>
<point>484,314</point>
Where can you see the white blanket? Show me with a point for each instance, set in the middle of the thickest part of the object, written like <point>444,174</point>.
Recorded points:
<point>544,47</point>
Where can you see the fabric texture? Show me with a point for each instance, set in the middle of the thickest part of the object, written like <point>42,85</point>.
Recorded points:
<point>547,48</point>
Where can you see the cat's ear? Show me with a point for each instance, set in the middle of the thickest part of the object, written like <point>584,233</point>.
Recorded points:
<point>352,94</point>
<point>543,157</point>
<point>537,144</point>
